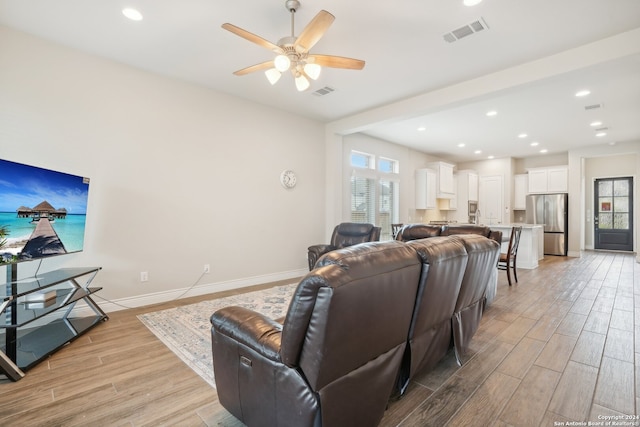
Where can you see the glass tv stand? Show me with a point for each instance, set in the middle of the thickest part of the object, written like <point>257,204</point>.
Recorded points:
<point>40,314</point>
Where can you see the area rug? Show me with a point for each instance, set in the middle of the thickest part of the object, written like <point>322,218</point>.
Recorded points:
<point>186,330</point>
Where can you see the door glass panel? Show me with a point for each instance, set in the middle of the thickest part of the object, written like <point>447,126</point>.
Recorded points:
<point>605,188</point>
<point>621,221</point>
<point>621,204</point>
<point>621,188</point>
<point>605,220</point>
<point>386,209</point>
<point>362,199</point>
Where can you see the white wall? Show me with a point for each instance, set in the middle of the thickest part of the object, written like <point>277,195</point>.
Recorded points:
<point>181,176</point>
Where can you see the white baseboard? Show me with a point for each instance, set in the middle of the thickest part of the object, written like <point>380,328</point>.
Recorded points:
<point>209,288</point>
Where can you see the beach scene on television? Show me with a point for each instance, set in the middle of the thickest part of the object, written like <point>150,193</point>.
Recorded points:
<point>42,212</point>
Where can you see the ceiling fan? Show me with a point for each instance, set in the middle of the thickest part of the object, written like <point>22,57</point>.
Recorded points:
<point>293,52</point>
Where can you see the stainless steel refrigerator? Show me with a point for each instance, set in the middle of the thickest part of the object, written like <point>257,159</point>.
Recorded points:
<point>550,210</point>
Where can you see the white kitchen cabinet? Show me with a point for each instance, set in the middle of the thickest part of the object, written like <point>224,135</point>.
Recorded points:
<point>557,180</point>
<point>520,191</point>
<point>548,180</point>
<point>425,189</point>
<point>472,178</point>
<point>453,202</point>
<point>467,186</point>
<point>450,204</point>
<point>466,190</point>
<point>445,188</point>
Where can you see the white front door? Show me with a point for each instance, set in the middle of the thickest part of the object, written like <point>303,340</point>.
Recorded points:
<point>490,200</point>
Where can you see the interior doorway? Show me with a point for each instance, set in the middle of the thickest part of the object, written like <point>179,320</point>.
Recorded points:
<point>613,214</point>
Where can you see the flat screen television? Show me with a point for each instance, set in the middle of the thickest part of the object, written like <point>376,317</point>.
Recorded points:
<point>42,212</point>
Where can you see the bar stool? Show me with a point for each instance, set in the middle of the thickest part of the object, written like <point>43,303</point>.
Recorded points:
<point>507,261</point>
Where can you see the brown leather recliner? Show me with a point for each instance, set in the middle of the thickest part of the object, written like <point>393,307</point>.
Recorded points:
<point>344,235</point>
<point>444,262</point>
<point>483,230</point>
<point>336,358</point>
<point>418,231</point>
<point>482,256</point>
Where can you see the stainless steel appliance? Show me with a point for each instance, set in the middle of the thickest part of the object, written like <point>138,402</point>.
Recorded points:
<point>550,210</point>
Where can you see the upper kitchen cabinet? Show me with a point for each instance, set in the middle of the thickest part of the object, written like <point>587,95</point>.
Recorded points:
<point>467,191</point>
<point>445,186</point>
<point>520,191</point>
<point>426,189</point>
<point>548,180</point>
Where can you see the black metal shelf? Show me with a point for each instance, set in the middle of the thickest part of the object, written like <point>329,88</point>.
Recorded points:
<point>27,312</point>
<point>19,288</point>
<point>32,330</point>
<point>34,344</point>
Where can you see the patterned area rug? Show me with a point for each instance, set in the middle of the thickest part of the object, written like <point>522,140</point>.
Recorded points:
<point>186,330</point>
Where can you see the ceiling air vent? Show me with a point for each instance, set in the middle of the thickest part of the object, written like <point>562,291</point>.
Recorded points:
<point>593,107</point>
<point>601,129</point>
<point>467,30</point>
<point>324,91</point>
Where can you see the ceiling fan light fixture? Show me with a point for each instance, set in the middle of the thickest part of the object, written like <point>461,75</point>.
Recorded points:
<point>312,70</point>
<point>282,63</point>
<point>302,83</point>
<point>273,75</point>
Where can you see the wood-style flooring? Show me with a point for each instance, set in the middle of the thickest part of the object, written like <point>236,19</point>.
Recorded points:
<point>561,345</point>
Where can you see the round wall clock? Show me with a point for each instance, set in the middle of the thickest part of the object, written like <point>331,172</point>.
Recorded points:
<point>288,179</point>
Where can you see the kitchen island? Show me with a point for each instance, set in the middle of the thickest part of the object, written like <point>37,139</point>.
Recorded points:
<point>531,247</point>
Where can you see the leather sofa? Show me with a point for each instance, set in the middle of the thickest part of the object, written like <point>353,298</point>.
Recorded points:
<point>344,235</point>
<point>423,231</point>
<point>360,325</point>
<point>335,359</point>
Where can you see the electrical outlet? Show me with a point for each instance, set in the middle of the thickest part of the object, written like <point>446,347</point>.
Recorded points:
<point>207,268</point>
<point>144,276</point>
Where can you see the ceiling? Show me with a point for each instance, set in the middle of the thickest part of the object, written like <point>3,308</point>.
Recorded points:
<point>406,57</point>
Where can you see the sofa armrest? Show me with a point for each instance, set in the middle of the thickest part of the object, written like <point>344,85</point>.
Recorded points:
<point>316,251</point>
<point>250,328</point>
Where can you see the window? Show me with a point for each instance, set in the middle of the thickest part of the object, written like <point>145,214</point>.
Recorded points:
<point>361,160</point>
<point>374,191</point>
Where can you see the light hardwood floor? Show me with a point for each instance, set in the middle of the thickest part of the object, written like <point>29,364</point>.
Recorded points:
<point>561,345</point>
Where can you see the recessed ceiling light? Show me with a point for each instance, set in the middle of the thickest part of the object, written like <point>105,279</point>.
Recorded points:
<point>461,144</point>
<point>534,144</point>
<point>132,14</point>
<point>596,123</point>
<point>522,135</point>
<point>582,93</point>
<point>544,150</point>
<point>492,113</point>
<point>477,152</point>
<point>601,134</point>
<point>490,157</point>
<point>470,3</point>
<point>421,128</point>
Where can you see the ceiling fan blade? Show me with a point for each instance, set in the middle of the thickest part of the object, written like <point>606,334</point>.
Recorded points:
<point>252,37</point>
<point>313,31</point>
<point>258,67</point>
<point>337,62</point>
